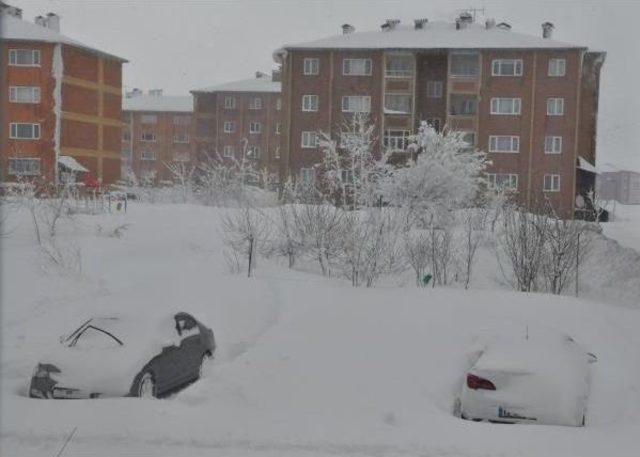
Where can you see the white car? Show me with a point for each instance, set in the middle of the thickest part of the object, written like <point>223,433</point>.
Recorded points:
<point>537,378</point>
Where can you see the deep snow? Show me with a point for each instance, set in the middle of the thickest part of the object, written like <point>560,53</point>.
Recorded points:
<point>305,366</point>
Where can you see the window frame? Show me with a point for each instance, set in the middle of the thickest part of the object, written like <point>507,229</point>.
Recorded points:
<point>367,62</point>
<point>147,159</point>
<point>313,70</point>
<point>494,177</point>
<point>308,134</point>
<point>229,127</point>
<point>310,97</point>
<point>307,172</point>
<point>24,159</point>
<point>493,143</point>
<point>230,102</point>
<point>515,102</point>
<point>255,106</point>
<point>394,94</point>
<point>555,140</point>
<point>473,75</point>
<point>176,140</point>
<point>395,142</point>
<point>554,182</point>
<point>143,139</point>
<point>228,151</point>
<point>437,89</point>
<point>555,101</point>
<point>13,57</point>
<point>13,94</point>
<point>557,60</point>
<point>35,127</point>
<point>253,130</point>
<point>366,101</point>
<point>517,64</point>
<point>399,73</point>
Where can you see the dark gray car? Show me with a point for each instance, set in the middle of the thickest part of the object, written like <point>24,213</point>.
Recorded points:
<point>125,356</point>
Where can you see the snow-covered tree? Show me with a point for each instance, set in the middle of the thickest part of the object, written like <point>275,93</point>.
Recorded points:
<point>182,173</point>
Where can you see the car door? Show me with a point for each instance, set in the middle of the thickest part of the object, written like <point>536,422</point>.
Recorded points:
<point>191,349</point>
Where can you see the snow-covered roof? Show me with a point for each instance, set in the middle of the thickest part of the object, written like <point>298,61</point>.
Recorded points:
<point>13,28</point>
<point>71,164</point>
<point>584,164</point>
<point>434,35</point>
<point>159,103</point>
<point>263,83</point>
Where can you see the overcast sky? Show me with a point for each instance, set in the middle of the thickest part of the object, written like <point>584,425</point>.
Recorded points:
<point>178,45</point>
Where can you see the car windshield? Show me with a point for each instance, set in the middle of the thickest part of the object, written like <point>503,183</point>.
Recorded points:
<point>95,338</point>
<point>98,331</point>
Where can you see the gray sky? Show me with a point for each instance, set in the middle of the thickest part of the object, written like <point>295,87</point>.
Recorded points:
<point>182,45</point>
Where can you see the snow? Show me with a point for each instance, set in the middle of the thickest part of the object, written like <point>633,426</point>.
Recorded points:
<point>434,35</point>
<point>261,84</point>
<point>625,224</point>
<point>584,164</point>
<point>12,28</point>
<point>306,365</point>
<point>159,103</point>
<point>72,164</point>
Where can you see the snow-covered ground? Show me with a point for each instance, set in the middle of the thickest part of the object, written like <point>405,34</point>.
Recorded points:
<point>306,366</point>
<point>625,226</point>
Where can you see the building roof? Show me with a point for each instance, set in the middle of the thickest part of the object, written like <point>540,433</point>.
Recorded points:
<point>262,83</point>
<point>13,28</point>
<point>159,103</point>
<point>434,35</point>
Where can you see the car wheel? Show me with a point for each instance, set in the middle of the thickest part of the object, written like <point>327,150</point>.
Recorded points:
<point>204,364</point>
<point>147,385</point>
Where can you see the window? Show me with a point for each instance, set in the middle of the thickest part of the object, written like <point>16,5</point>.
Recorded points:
<point>463,105</point>
<point>229,127</point>
<point>504,143</point>
<point>276,153</point>
<point>24,131</point>
<point>311,66</point>
<point>307,176</point>
<point>278,104</point>
<point>397,103</point>
<point>309,103</point>
<point>149,119</point>
<point>435,123</point>
<point>505,106</point>
<point>228,151</point>
<point>356,104</point>
<point>506,67</point>
<point>255,127</point>
<point>126,135</point>
<point>181,120</point>
<point>464,64</point>
<point>180,137</point>
<point>254,152</point>
<point>24,167</point>
<point>399,66</point>
<point>502,181</point>
<point>230,103</point>
<point>309,140</point>
<point>255,103</point>
<point>147,136</point>
<point>351,139</point>
<point>24,57</point>
<point>552,144</point>
<point>278,128</point>
<point>356,67</point>
<point>396,140</point>
<point>434,89</point>
<point>24,94</point>
<point>470,139</point>
<point>557,67</point>
<point>148,155</point>
<point>551,183</point>
<point>180,156</point>
<point>555,106</point>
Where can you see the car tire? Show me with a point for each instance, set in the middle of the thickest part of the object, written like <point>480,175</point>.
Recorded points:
<point>204,362</point>
<point>146,387</point>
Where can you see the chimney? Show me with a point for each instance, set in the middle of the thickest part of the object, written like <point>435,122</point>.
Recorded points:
<point>276,75</point>
<point>489,24</point>
<point>390,24</point>
<point>41,21</point>
<point>134,93</point>
<point>347,29</point>
<point>420,23</point>
<point>52,21</point>
<point>547,29</point>
<point>9,10</point>
<point>503,26</point>
<point>155,92</point>
<point>463,20</point>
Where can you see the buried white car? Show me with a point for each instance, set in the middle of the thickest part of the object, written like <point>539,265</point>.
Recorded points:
<point>540,377</point>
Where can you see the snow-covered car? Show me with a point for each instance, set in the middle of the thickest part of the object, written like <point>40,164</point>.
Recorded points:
<point>540,378</point>
<point>125,356</point>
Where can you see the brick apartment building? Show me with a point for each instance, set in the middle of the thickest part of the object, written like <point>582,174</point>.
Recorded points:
<point>157,130</point>
<point>60,102</point>
<point>529,101</point>
<point>240,117</point>
<point>618,184</point>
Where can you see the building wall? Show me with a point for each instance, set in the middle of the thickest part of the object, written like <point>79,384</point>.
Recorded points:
<point>211,139</point>
<point>167,150</point>
<point>90,110</point>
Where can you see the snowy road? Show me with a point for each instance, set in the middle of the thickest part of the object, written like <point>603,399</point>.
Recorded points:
<point>306,366</point>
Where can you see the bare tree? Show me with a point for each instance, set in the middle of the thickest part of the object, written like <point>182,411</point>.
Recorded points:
<point>243,231</point>
<point>417,249</point>
<point>182,173</point>
<point>474,223</point>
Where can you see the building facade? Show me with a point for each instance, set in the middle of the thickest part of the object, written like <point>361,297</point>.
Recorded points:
<point>59,99</point>
<point>240,119</point>
<point>157,132</point>
<point>529,102</point>
<point>620,185</point>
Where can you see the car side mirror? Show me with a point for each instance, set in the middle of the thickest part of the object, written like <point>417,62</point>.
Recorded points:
<point>591,358</point>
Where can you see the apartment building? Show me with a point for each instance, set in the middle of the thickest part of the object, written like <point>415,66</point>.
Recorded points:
<point>618,184</point>
<point>529,101</point>
<point>60,103</point>
<point>240,119</point>
<point>157,131</point>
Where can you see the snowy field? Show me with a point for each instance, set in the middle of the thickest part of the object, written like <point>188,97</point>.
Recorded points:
<point>625,227</point>
<point>306,366</point>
